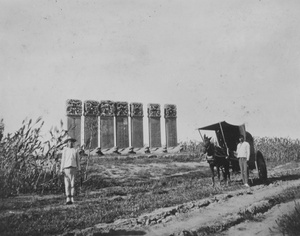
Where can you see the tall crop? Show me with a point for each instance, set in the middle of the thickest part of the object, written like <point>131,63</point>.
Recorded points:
<point>275,149</point>
<point>193,147</point>
<point>278,149</point>
<point>27,163</point>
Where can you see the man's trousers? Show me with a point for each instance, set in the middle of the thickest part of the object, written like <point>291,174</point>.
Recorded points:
<point>70,181</point>
<point>244,169</point>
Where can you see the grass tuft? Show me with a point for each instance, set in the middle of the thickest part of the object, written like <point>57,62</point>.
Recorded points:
<point>289,224</point>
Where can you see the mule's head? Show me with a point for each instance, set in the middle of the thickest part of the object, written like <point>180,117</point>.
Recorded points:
<point>206,141</point>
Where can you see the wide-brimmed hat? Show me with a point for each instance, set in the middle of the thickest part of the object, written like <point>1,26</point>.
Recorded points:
<point>69,138</point>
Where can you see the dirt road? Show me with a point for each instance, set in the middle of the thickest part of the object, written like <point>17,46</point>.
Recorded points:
<point>225,214</point>
<point>230,210</point>
<point>267,226</point>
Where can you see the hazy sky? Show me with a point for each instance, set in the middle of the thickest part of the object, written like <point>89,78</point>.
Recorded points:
<point>217,60</point>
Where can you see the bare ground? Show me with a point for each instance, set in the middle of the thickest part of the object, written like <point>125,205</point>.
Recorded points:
<point>224,214</point>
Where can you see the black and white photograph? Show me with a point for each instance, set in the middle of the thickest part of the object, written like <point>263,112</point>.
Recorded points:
<point>155,118</point>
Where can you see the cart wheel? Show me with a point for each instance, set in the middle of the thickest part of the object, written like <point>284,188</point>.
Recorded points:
<point>261,165</point>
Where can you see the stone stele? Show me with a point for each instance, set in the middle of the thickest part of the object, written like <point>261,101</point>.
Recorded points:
<point>154,125</point>
<point>122,134</point>
<point>106,113</point>
<point>171,125</point>
<point>137,125</point>
<point>91,110</point>
<point>74,113</point>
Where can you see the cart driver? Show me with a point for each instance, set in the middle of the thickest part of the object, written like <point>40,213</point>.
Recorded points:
<point>243,154</point>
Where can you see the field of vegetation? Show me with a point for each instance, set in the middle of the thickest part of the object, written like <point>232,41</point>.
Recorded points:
<point>108,188</point>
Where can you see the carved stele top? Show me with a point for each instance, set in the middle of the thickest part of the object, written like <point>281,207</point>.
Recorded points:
<point>170,111</point>
<point>136,109</point>
<point>106,108</point>
<point>74,107</point>
<point>153,110</point>
<point>91,108</point>
<point>121,109</point>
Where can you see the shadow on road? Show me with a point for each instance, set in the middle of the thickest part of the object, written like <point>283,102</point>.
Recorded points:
<point>272,180</point>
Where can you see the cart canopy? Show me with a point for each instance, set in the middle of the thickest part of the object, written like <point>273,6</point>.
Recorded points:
<point>227,134</point>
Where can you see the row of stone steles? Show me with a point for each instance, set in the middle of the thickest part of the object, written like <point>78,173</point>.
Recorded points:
<point>109,108</point>
<point>114,123</point>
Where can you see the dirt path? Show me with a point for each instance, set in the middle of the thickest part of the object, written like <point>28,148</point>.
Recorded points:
<point>267,226</point>
<point>220,215</point>
<point>226,212</point>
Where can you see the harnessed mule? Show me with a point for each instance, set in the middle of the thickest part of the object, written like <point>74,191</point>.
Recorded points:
<point>216,157</point>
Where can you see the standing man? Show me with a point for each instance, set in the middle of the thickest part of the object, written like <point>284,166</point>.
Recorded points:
<point>243,154</point>
<point>69,165</point>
